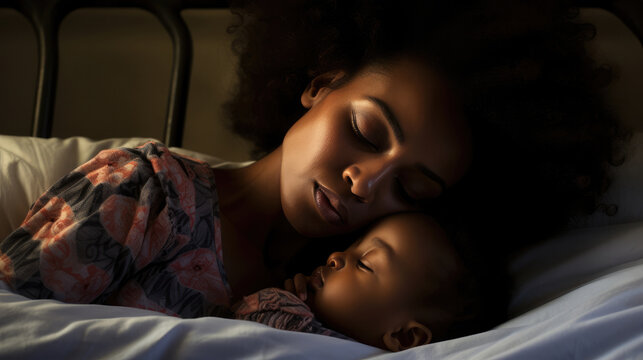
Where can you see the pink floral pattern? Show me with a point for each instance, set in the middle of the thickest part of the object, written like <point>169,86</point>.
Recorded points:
<point>6,269</point>
<point>123,221</point>
<point>69,279</point>
<point>109,166</point>
<point>280,309</point>
<point>168,167</point>
<point>199,270</point>
<point>156,237</point>
<point>50,220</point>
<point>135,227</point>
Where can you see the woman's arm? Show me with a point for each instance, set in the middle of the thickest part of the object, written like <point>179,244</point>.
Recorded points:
<point>129,227</point>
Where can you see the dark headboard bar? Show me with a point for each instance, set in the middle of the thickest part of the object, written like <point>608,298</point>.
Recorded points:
<point>46,16</point>
<point>46,25</point>
<point>45,19</point>
<point>180,77</point>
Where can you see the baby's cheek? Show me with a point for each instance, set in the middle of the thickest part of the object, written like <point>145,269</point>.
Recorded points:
<point>338,306</point>
<point>352,316</point>
<point>326,302</point>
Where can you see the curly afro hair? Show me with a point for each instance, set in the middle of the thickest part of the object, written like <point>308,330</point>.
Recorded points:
<point>544,139</point>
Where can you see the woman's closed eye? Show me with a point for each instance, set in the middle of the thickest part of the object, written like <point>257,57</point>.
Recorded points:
<point>360,135</point>
<point>363,266</point>
<point>402,194</point>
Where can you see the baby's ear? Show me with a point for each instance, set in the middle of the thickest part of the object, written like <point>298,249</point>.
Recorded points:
<point>319,87</point>
<point>410,335</point>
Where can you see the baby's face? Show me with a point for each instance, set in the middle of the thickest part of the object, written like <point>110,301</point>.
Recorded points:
<point>365,290</point>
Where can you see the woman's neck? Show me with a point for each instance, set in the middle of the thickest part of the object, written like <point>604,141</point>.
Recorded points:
<point>249,197</point>
<point>257,239</point>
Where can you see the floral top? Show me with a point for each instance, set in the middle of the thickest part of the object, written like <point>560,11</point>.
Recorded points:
<point>282,310</point>
<point>132,227</point>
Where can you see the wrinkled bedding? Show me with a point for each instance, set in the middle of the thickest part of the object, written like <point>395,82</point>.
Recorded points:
<point>581,293</point>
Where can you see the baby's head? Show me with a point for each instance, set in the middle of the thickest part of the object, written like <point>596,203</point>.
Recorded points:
<point>395,288</point>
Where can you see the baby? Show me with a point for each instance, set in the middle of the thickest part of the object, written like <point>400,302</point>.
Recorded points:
<point>397,287</point>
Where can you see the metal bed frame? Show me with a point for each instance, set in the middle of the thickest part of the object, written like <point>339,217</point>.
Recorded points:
<point>45,17</point>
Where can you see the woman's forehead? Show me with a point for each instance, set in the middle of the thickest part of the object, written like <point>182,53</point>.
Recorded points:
<point>426,110</point>
<point>417,94</point>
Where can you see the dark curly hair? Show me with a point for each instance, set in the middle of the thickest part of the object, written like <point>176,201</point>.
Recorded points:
<point>544,139</point>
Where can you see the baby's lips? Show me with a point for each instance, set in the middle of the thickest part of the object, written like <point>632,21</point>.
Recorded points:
<point>301,286</point>
<point>315,280</point>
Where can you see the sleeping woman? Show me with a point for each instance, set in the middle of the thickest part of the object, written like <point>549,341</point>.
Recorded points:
<point>379,109</point>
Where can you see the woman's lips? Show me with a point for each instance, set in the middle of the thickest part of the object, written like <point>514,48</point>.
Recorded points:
<point>329,205</point>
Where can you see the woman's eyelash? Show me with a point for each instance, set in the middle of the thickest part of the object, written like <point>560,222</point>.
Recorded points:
<point>402,193</point>
<point>363,266</point>
<point>359,133</point>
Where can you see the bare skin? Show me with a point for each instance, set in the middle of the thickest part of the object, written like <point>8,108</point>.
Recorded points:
<point>388,138</point>
<point>376,290</point>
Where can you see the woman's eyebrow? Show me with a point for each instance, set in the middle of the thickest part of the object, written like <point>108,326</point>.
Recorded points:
<point>389,116</point>
<point>432,175</point>
<point>397,131</point>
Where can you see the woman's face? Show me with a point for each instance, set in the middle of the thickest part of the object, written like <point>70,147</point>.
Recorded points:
<point>384,141</point>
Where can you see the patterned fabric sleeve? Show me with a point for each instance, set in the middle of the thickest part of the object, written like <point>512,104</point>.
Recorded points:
<point>281,309</point>
<point>132,227</point>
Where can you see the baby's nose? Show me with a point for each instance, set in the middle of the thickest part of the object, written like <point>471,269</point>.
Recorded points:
<point>335,261</point>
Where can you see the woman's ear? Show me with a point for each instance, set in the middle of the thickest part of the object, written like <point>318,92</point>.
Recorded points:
<point>319,87</point>
<point>410,335</point>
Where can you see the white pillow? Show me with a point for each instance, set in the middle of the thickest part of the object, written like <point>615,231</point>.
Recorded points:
<point>626,191</point>
<point>29,165</point>
<point>592,247</point>
<point>570,260</point>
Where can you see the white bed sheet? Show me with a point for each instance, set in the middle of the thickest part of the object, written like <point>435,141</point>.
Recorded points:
<point>602,319</point>
<point>37,329</point>
<point>581,293</point>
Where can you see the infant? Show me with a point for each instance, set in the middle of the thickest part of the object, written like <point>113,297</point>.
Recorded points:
<point>397,287</point>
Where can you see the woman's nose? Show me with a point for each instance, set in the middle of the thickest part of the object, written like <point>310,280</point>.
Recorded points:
<point>336,261</point>
<point>364,178</point>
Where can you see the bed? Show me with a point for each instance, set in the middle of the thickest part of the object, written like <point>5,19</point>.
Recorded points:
<point>580,294</point>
